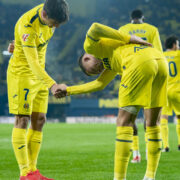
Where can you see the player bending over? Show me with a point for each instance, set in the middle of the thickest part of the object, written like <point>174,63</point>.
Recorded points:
<point>143,73</point>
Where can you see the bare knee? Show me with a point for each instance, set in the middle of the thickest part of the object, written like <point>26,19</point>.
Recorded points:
<point>41,120</point>
<point>22,121</point>
<point>37,121</point>
<point>152,116</point>
<point>125,118</point>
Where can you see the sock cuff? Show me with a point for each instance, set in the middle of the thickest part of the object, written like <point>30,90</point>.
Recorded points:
<point>124,130</point>
<point>19,130</point>
<point>34,135</point>
<point>152,129</point>
<point>18,135</point>
<point>34,132</point>
<point>164,121</point>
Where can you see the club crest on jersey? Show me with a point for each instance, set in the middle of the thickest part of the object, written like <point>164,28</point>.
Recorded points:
<point>26,106</point>
<point>25,37</point>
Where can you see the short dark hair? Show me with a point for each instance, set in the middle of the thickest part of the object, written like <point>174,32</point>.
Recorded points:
<point>81,64</point>
<point>170,41</point>
<point>57,10</point>
<point>136,14</point>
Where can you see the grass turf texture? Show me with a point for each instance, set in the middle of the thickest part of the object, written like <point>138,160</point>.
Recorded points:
<point>84,152</point>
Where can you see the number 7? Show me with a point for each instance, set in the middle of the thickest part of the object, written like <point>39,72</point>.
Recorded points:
<point>27,91</point>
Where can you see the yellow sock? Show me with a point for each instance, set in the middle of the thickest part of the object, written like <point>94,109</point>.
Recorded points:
<point>146,142</point>
<point>135,144</point>
<point>165,132</point>
<point>146,138</point>
<point>154,150</point>
<point>20,149</point>
<point>122,151</point>
<point>34,139</point>
<point>178,130</point>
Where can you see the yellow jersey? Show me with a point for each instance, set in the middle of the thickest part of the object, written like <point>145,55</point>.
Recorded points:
<point>146,31</point>
<point>116,54</point>
<point>113,48</point>
<point>31,39</point>
<point>173,58</point>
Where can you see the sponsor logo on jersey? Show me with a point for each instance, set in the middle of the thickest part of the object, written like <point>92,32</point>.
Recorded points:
<point>25,37</point>
<point>106,63</point>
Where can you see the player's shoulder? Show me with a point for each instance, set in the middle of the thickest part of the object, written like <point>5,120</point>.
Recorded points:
<point>125,26</point>
<point>28,18</point>
<point>150,26</point>
<point>172,53</point>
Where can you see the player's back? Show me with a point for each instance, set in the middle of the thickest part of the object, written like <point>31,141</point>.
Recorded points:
<point>173,58</point>
<point>146,31</point>
<point>133,54</point>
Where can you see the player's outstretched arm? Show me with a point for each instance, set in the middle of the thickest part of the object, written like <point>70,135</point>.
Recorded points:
<point>98,31</point>
<point>99,84</point>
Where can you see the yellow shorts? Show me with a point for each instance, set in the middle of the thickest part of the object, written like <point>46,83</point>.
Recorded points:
<point>144,83</point>
<point>173,100</point>
<point>26,95</point>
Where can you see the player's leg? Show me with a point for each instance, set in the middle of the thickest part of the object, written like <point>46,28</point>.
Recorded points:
<point>20,104</point>
<point>135,145</point>
<point>35,133</point>
<point>20,144</point>
<point>175,96</point>
<point>34,138</point>
<point>124,137</point>
<point>164,132</point>
<point>152,116</point>
<point>145,137</point>
<point>178,130</point>
<point>154,141</point>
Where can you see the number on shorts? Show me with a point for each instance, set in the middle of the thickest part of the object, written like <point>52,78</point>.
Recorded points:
<point>172,69</point>
<point>27,91</point>
<point>144,38</point>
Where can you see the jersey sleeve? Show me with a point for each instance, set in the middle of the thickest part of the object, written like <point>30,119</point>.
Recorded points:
<point>100,83</point>
<point>101,39</point>
<point>28,41</point>
<point>156,41</point>
<point>98,31</point>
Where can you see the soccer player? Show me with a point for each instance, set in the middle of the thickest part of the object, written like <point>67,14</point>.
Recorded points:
<point>28,82</point>
<point>172,54</point>
<point>143,84</point>
<point>151,34</point>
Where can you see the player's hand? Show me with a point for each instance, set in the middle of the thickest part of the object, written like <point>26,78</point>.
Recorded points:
<point>11,47</point>
<point>59,90</point>
<point>137,40</point>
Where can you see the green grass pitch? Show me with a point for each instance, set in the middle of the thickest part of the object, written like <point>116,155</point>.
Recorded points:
<point>84,152</point>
